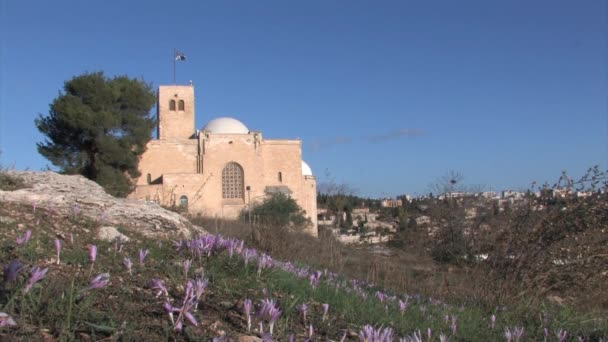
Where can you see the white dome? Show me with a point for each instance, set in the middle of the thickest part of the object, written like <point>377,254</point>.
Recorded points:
<point>225,125</point>
<point>306,170</point>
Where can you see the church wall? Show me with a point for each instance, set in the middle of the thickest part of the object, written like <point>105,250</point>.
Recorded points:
<point>221,149</point>
<point>184,184</point>
<point>167,156</point>
<point>283,156</point>
<point>309,202</point>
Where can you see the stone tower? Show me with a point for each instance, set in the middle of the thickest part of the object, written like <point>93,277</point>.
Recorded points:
<point>175,112</point>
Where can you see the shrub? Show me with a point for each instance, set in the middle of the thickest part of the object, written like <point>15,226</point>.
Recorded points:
<point>279,211</point>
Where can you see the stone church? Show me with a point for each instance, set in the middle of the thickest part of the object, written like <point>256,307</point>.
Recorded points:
<point>221,169</point>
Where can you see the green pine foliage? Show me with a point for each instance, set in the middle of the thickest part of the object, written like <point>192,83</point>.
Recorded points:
<point>98,127</point>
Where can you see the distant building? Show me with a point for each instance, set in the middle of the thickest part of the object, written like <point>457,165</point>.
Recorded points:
<point>513,194</point>
<point>391,203</point>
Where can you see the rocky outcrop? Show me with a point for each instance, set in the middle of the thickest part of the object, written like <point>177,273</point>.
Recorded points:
<point>78,195</point>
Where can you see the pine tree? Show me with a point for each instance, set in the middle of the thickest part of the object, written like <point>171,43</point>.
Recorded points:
<point>98,127</point>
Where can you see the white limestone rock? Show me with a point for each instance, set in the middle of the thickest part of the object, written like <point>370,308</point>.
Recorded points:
<point>61,193</point>
<point>109,233</point>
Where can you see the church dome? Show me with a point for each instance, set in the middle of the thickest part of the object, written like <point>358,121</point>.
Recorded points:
<point>306,170</point>
<point>225,125</point>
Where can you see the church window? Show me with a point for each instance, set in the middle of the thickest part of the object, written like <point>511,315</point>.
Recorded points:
<point>149,178</point>
<point>181,105</point>
<point>280,177</point>
<point>172,105</point>
<point>183,202</point>
<point>232,181</point>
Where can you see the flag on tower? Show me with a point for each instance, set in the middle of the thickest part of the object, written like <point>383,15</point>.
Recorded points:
<point>179,56</point>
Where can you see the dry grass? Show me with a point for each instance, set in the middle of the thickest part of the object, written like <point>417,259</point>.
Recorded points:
<point>408,271</point>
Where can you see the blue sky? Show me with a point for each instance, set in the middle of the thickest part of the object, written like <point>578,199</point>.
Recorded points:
<point>386,95</point>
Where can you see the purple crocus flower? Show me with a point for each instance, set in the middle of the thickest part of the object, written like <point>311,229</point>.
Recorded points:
<point>100,281</point>
<point>311,331</point>
<point>493,321</point>
<point>429,333</point>
<point>186,266</point>
<point>247,309</point>
<point>303,308</point>
<point>403,305</point>
<point>36,274</point>
<point>273,315</point>
<point>142,255</point>
<point>6,320</point>
<point>21,240</point>
<point>157,284</point>
<point>11,271</point>
<point>369,334</point>
<point>561,335</point>
<point>58,249</point>
<point>314,279</point>
<point>92,253</point>
<point>264,261</point>
<point>325,309</point>
<point>454,325</point>
<point>128,264</point>
<point>443,338</point>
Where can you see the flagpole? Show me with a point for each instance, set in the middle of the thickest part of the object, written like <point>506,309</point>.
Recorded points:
<point>174,54</point>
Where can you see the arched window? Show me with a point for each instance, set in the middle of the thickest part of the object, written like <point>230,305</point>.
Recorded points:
<point>183,202</point>
<point>232,181</point>
<point>181,105</point>
<point>149,178</point>
<point>172,105</point>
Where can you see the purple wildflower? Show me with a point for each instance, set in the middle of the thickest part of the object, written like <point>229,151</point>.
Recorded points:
<point>325,309</point>
<point>311,331</point>
<point>303,308</point>
<point>493,321</point>
<point>6,320</point>
<point>178,245</point>
<point>403,305</point>
<point>36,274</point>
<point>58,249</point>
<point>247,309</point>
<point>157,284</point>
<point>454,325</point>
<point>273,315</point>
<point>21,240</point>
<point>142,255</point>
<point>314,279</point>
<point>128,264</point>
<point>264,261</point>
<point>429,333</point>
<point>369,334</point>
<point>11,271</point>
<point>186,265</point>
<point>92,253</point>
<point>100,281</point>
<point>561,335</point>
<point>443,338</point>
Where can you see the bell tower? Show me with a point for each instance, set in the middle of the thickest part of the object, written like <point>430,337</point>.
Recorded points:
<point>175,112</point>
